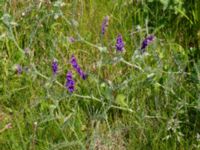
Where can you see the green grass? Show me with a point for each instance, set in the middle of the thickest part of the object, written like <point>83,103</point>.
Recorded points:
<point>129,100</point>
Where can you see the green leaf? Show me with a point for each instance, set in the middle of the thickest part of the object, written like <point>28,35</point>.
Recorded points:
<point>120,100</point>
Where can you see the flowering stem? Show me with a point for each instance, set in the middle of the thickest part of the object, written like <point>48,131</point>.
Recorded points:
<point>87,97</point>
<point>83,96</point>
<point>86,42</point>
<point>14,40</point>
<point>132,65</point>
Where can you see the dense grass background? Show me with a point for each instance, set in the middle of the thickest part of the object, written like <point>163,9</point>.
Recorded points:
<point>119,106</point>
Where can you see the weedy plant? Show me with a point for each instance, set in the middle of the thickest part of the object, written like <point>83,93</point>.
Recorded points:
<point>101,75</point>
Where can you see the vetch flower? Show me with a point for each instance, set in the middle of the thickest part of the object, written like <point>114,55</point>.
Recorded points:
<point>55,66</point>
<point>70,83</point>
<point>146,42</point>
<point>119,43</point>
<point>77,67</point>
<point>104,25</point>
<point>71,39</point>
<point>19,69</point>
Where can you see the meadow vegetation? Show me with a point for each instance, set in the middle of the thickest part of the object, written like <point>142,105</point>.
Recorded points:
<point>99,74</point>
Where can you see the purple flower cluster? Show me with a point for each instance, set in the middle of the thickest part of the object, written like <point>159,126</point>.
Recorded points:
<point>19,69</point>
<point>71,39</point>
<point>104,25</point>
<point>55,66</point>
<point>70,84</point>
<point>77,67</point>
<point>146,42</point>
<point>119,43</point>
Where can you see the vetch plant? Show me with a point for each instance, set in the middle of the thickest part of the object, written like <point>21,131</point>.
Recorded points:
<point>157,91</point>
<point>146,42</point>
<point>77,67</point>
<point>71,39</point>
<point>70,83</point>
<point>55,66</point>
<point>119,43</point>
<point>19,69</point>
<point>104,25</point>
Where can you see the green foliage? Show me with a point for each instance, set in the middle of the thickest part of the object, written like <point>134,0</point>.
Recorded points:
<point>130,100</point>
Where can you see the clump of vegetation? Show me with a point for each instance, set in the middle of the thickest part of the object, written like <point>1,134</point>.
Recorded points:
<point>121,74</point>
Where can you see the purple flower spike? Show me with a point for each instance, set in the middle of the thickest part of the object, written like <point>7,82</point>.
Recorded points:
<point>119,43</point>
<point>19,69</point>
<point>146,42</point>
<point>77,67</point>
<point>55,66</point>
<point>104,25</point>
<point>70,82</point>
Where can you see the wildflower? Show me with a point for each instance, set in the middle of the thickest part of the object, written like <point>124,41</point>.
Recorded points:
<point>55,66</point>
<point>104,25</point>
<point>119,43</point>
<point>70,82</point>
<point>146,42</point>
<point>27,51</point>
<point>77,67</point>
<point>19,69</point>
<point>71,39</point>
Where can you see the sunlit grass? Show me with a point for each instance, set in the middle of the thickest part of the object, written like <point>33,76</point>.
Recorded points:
<point>129,100</point>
